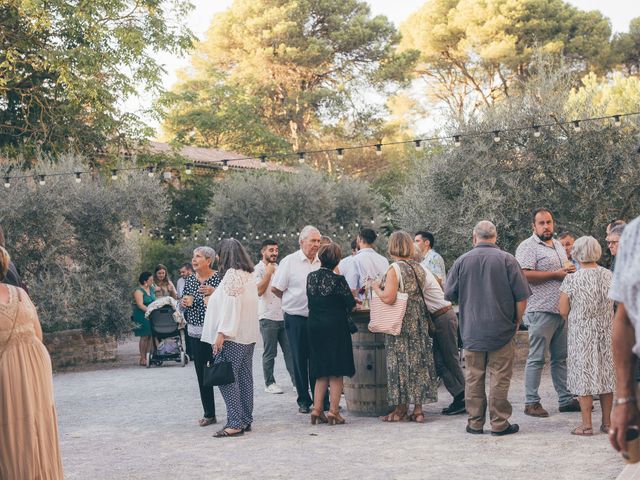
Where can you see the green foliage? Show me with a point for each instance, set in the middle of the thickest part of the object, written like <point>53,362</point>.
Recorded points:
<point>285,70</point>
<point>154,251</point>
<point>71,242</point>
<point>625,49</point>
<point>189,205</point>
<point>474,52</point>
<point>586,178</point>
<point>249,205</point>
<point>66,67</point>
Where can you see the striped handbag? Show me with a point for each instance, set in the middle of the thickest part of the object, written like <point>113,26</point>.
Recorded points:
<point>387,318</point>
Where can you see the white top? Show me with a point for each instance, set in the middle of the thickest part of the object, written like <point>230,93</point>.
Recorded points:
<point>269,306</point>
<point>367,265</point>
<point>345,265</point>
<point>233,309</point>
<point>180,286</point>
<point>432,292</point>
<point>291,279</point>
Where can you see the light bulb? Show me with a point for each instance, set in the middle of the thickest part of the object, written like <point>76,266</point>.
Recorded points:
<point>41,180</point>
<point>301,157</point>
<point>536,131</point>
<point>378,149</point>
<point>340,152</point>
<point>114,174</point>
<point>78,178</point>
<point>418,144</point>
<point>617,120</point>
<point>187,168</point>
<point>576,126</point>
<point>7,182</point>
<point>496,136</point>
<point>225,165</point>
<point>456,140</point>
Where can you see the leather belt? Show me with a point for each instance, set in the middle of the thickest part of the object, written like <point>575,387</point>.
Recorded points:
<point>442,311</point>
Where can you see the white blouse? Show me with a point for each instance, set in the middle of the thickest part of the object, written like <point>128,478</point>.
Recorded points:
<point>233,310</point>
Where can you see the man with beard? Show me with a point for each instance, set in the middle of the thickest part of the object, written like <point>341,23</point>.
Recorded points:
<point>271,318</point>
<point>290,284</point>
<point>545,264</point>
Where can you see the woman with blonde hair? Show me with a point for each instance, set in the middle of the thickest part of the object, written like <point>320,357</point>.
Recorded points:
<point>29,445</point>
<point>411,373</point>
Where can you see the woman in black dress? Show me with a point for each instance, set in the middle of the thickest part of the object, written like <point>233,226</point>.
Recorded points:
<point>330,351</point>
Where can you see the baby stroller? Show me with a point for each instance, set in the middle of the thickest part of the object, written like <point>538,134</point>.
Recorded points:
<point>167,331</point>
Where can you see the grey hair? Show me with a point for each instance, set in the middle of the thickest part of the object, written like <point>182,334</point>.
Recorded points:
<point>485,230</point>
<point>617,230</point>
<point>586,250</point>
<point>306,231</point>
<point>206,252</point>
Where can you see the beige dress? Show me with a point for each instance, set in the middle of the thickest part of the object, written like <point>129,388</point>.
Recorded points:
<point>29,447</point>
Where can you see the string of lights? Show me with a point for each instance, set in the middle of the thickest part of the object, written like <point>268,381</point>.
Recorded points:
<point>457,139</point>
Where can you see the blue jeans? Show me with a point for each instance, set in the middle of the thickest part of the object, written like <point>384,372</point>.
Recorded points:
<point>546,331</point>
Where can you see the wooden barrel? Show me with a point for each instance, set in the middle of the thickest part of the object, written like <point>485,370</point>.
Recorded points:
<point>366,391</point>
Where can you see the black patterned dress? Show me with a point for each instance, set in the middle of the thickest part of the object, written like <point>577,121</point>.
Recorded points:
<point>411,374</point>
<point>330,302</point>
<point>590,369</point>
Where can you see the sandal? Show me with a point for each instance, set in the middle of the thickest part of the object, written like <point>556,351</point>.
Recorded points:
<point>417,417</point>
<point>142,362</point>
<point>604,428</point>
<point>582,431</point>
<point>395,417</point>
<point>206,421</point>
<point>223,433</point>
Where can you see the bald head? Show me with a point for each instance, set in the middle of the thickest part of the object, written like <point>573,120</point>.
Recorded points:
<point>485,231</point>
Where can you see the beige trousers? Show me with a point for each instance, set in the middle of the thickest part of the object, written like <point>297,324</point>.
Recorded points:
<point>499,364</point>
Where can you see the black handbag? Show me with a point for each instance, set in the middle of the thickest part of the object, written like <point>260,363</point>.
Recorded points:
<point>218,372</point>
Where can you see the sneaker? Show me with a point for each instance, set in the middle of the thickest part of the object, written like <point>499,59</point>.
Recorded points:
<point>513,428</point>
<point>273,388</point>
<point>572,406</point>
<point>535,410</point>
<point>455,408</point>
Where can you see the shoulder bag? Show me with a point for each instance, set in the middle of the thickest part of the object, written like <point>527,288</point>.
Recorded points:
<point>218,372</point>
<point>387,318</point>
<point>432,326</point>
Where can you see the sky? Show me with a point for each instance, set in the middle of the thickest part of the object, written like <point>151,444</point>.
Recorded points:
<point>620,12</point>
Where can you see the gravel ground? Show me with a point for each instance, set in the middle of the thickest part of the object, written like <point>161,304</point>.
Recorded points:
<point>128,422</point>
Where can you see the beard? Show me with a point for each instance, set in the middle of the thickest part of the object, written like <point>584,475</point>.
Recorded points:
<point>546,236</point>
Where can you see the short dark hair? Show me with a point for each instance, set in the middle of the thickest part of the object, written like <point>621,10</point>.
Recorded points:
<point>368,235</point>
<point>268,242</point>
<point>565,235</point>
<point>540,210</point>
<point>187,265</point>
<point>354,244</point>
<point>615,223</point>
<point>330,255</point>
<point>427,236</point>
<point>144,276</point>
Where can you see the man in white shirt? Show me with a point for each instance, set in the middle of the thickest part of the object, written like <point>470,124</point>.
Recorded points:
<point>185,270</point>
<point>432,260</point>
<point>347,262</point>
<point>271,318</point>
<point>290,284</point>
<point>367,264</point>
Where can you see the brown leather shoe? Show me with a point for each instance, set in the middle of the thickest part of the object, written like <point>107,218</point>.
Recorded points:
<point>535,410</point>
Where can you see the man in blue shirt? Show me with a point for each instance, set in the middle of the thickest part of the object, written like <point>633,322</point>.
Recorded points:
<point>367,265</point>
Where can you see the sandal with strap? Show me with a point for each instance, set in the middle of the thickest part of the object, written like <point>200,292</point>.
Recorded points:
<point>394,417</point>
<point>605,428</point>
<point>206,421</point>
<point>417,417</point>
<point>223,433</point>
<point>582,431</point>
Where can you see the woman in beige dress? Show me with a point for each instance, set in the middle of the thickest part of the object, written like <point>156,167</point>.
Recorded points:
<point>29,446</point>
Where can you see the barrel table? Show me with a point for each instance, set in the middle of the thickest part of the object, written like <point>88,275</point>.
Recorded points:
<point>366,391</point>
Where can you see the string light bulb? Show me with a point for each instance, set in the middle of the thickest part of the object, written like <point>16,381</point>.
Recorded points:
<point>496,136</point>
<point>576,126</point>
<point>378,149</point>
<point>340,152</point>
<point>617,120</point>
<point>301,157</point>
<point>456,140</point>
<point>114,174</point>
<point>225,165</point>
<point>263,161</point>
<point>187,168</point>
<point>418,144</point>
<point>78,178</point>
<point>536,131</point>
<point>150,171</point>
<point>41,180</point>
<point>7,182</point>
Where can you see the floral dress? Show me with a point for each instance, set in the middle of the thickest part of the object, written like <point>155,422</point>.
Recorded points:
<point>411,375</point>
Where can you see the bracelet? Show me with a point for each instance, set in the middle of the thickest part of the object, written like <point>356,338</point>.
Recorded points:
<point>623,400</point>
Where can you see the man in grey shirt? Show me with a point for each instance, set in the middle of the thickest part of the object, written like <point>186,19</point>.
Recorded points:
<point>492,292</point>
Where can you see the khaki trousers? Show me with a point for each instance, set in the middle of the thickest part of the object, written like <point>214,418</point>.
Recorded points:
<point>499,364</point>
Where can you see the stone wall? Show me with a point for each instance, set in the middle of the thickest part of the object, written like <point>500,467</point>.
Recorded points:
<point>75,347</point>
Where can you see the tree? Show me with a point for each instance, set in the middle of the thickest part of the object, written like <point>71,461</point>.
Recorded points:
<point>586,178</point>
<point>626,49</point>
<point>286,70</point>
<point>474,52</point>
<point>66,68</point>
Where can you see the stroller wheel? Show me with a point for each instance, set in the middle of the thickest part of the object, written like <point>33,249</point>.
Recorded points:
<point>183,359</point>
<point>148,360</point>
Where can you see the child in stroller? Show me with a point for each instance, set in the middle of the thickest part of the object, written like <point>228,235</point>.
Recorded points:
<point>167,330</point>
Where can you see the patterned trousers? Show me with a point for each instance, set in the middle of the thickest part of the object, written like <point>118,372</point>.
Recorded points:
<point>238,396</point>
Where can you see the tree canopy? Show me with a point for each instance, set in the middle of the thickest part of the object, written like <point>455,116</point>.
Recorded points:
<point>66,68</point>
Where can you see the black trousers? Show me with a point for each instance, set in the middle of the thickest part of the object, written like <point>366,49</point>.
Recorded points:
<point>202,353</point>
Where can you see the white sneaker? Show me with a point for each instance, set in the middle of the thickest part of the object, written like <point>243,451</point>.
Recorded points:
<point>273,388</point>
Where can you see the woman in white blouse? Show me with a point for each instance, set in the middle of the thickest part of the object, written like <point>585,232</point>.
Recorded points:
<point>231,326</point>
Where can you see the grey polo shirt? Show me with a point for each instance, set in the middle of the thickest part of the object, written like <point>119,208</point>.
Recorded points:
<point>534,254</point>
<point>487,283</point>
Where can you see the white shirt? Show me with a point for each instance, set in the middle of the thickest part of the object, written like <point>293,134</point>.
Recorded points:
<point>269,306</point>
<point>432,292</point>
<point>233,310</point>
<point>345,265</point>
<point>291,279</point>
<point>367,265</point>
<point>180,286</point>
